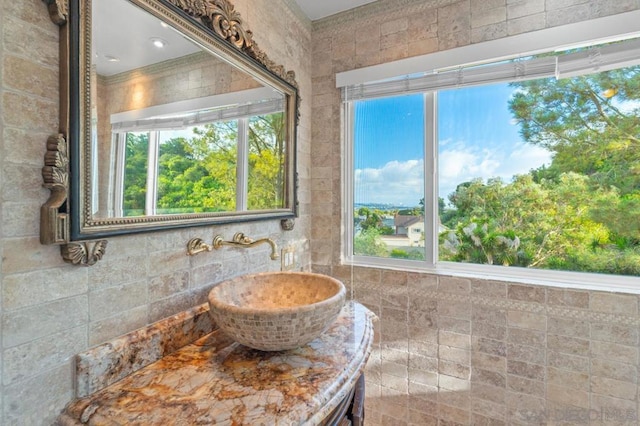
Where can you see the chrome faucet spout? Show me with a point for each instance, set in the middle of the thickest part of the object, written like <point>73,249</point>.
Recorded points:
<point>241,240</point>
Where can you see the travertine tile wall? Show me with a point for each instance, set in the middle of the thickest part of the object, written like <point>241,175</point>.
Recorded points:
<point>467,351</point>
<point>49,310</point>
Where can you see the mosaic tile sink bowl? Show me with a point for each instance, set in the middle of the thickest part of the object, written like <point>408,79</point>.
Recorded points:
<point>275,311</point>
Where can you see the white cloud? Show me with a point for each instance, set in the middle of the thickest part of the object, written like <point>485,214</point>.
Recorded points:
<point>461,162</point>
<point>400,183</point>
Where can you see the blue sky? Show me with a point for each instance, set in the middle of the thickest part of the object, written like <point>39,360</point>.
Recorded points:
<point>477,138</point>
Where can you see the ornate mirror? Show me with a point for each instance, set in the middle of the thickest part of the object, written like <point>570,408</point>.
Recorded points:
<point>171,116</point>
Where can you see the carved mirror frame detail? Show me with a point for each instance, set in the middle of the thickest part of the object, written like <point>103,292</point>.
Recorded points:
<point>218,15</point>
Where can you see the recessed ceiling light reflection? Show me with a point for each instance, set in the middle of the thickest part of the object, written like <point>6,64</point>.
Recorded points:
<point>158,42</point>
<point>111,58</point>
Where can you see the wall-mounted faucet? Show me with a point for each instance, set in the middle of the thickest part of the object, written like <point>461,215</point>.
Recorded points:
<point>197,245</point>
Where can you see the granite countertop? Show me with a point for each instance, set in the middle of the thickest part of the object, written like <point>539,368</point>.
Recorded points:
<point>217,381</point>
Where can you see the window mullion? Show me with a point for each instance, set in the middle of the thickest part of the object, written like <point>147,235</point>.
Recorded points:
<point>151,201</point>
<point>431,179</point>
<point>242,165</point>
<point>116,198</point>
<point>348,172</point>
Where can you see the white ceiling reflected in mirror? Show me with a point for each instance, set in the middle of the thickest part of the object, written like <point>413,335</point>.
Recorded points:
<point>178,119</point>
<point>125,37</point>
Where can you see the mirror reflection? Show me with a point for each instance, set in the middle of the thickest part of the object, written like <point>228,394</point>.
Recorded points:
<point>174,128</point>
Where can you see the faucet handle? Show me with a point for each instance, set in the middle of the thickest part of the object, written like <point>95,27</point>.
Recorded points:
<point>197,245</point>
<point>240,238</point>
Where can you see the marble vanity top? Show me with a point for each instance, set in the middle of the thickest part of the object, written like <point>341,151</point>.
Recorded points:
<point>217,381</point>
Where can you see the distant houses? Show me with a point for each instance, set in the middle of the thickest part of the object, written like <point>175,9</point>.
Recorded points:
<point>409,232</point>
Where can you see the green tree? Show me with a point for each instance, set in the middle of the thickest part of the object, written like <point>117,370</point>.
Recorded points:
<point>135,173</point>
<point>368,243</point>
<point>590,123</point>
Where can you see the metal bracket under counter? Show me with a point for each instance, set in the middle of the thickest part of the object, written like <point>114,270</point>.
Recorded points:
<point>215,380</point>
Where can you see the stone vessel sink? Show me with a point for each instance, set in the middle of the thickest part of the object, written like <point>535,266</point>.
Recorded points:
<point>274,311</point>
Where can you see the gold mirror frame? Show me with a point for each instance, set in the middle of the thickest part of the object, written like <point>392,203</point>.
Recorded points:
<point>66,217</point>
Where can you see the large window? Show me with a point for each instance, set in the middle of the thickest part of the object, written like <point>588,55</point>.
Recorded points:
<point>507,167</point>
<point>219,166</point>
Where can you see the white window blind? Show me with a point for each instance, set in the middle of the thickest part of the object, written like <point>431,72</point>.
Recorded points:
<point>560,65</point>
<point>181,121</point>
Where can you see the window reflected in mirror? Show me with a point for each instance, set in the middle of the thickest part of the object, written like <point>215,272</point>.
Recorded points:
<point>176,129</point>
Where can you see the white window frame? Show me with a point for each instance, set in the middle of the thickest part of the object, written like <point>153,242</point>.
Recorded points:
<point>594,31</point>
<point>236,106</point>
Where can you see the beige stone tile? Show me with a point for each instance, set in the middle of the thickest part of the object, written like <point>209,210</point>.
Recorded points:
<point>454,369</point>
<point>526,320</point>
<point>526,24</point>
<point>453,414</point>
<point>488,362</point>
<point>394,331</point>
<point>526,293</point>
<point>23,183</point>
<point>525,386</point>
<point>454,285</point>
<point>488,393</point>
<point>621,304</point>
<point>614,352</point>
<point>429,349</point>
<point>28,324</point>
<point>31,401</point>
<point>38,356</point>
<point>568,345</point>
<point>488,314</point>
<point>394,26</point>
<point>460,356</point>
<point>568,327</point>
<point>454,309</point>
<point>489,330</point>
<point>489,346</point>
<point>422,282</point>
<point>389,381</point>
<point>36,287</point>
<point>457,340</point>
<point>455,399</point>
<point>419,417</point>
<point>455,325</point>
<point>425,334</point>
<point>563,395</point>
<point>614,370</point>
<point>567,362</point>
<point>568,298</point>
<point>524,8</point>
<point>108,328</point>
<point>19,39</point>
<point>452,383</point>
<point>24,146</point>
<point>394,369</point>
<point>422,377</point>
<point>489,32</point>
<point>525,408</point>
<point>422,363</point>
<point>488,409</point>
<point>491,289</point>
<point>114,300</point>
<point>614,388</point>
<point>525,369</point>
<point>530,354</point>
<point>488,377</point>
<point>424,396</point>
<point>569,379</point>
<point>488,15</point>
<point>480,420</point>
<point>622,334</point>
<point>112,271</point>
<point>526,337</point>
<point>612,408</point>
